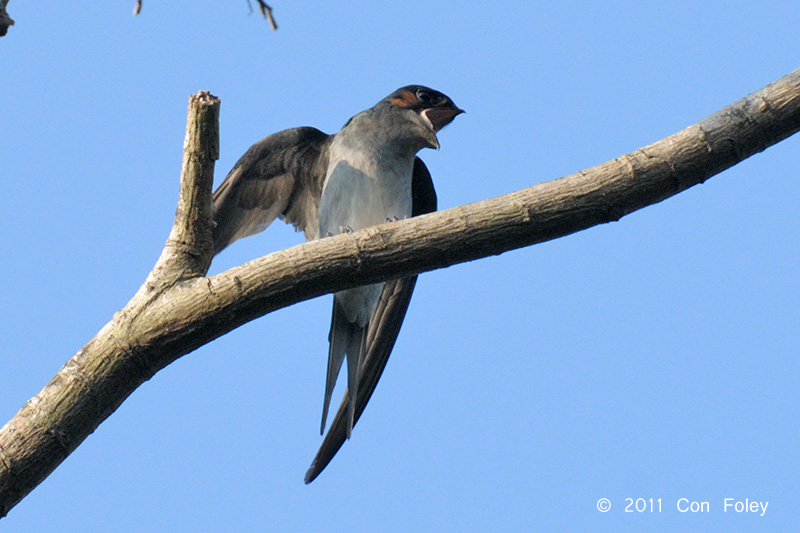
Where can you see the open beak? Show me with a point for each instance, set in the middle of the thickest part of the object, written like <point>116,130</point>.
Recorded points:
<point>439,117</point>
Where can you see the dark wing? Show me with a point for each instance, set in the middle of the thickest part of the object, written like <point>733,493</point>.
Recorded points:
<point>384,326</point>
<point>280,176</point>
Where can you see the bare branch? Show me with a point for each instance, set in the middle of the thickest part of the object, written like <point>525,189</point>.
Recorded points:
<point>5,20</point>
<point>189,248</point>
<point>263,7</point>
<point>266,12</point>
<point>178,309</point>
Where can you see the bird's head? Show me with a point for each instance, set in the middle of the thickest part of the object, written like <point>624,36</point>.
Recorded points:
<point>428,110</point>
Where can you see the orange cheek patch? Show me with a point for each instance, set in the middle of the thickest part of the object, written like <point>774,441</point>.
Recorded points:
<point>405,99</point>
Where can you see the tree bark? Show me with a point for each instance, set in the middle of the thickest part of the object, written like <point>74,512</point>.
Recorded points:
<point>178,308</point>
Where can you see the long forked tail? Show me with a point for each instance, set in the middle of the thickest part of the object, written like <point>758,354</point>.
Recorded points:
<point>381,336</point>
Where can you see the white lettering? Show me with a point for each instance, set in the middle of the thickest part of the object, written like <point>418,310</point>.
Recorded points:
<point>727,504</point>
<point>745,506</point>
<point>684,506</point>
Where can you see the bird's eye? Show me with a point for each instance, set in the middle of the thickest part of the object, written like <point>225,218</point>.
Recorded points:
<point>424,95</point>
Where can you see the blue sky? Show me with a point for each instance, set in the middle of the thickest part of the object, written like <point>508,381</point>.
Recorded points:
<point>655,357</point>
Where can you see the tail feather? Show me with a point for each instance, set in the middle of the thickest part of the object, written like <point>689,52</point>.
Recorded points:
<point>355,355</point>
<point>338,339</point>
<point>347,340</point>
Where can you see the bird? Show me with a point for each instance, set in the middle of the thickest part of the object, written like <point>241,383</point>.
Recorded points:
<point>366,174</point>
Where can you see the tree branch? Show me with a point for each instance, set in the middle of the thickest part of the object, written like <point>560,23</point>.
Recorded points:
<point>266,12</point>
<point>263,7</point>
<point>179,309</point>
<point>5,20</point>
<point>190,246</point>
